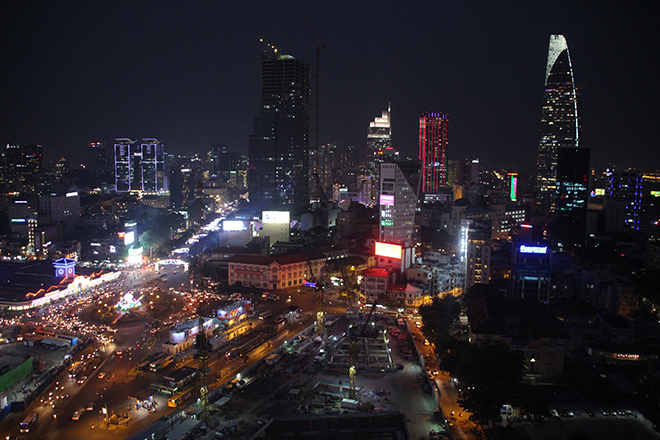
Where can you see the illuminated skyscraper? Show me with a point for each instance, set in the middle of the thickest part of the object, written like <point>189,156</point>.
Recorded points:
<point>126,168</point>
<point>433,151</point>
<point>379,146</point>
<point>139,167</point>
<point>560,122</point>
<point>152,165</point>
<point>279,145</point>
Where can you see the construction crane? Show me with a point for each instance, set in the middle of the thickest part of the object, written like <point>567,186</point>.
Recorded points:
<point>201,343</point>
<point>353,352</point>
<point>269,45</point>
<point>318,290</point>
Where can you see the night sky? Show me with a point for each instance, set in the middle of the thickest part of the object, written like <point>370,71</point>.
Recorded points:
<point>188,72</point>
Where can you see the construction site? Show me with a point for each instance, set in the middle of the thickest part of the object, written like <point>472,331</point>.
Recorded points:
<point>359,380</point>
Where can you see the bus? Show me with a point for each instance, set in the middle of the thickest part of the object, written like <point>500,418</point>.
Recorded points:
<point>75,369</point>
<point>29,421</point>
<point>177,399</point>
<point>161,363</point>
<point>163,388</point>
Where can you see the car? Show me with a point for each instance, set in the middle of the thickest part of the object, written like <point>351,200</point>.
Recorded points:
<point>590,413</point>
<point>82,379</point>
<point>76,415</point>
<point>90,406</point>
<point>554,413</point>
<point>101,375</point>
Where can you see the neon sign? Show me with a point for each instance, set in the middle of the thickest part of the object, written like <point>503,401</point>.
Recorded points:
<point>524,249</point>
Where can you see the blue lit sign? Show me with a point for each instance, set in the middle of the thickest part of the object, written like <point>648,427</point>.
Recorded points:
<point>524,249</point>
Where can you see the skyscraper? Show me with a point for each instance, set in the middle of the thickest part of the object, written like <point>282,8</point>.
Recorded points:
<point>433,151</point>
<point>139,167</point>
<point>125,166</point>
<point>379,143</point>
<point>560,122</point>
<point>152,165</point>
<point>279,146</point>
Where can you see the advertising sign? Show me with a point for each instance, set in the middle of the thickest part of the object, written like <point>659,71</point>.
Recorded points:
<point>388,250</point>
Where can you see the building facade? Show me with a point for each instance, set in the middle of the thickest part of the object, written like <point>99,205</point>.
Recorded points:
<point>277,272</point>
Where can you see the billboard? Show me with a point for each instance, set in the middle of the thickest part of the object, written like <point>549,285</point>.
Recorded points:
<point>513,186</point>
<point>234,310</point>
<point>388,250</point>
<point>233,225</point>
<point>280,217</point>
<point>386,200</point>
<point>129,238</point>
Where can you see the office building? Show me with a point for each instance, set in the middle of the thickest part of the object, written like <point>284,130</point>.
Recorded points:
<point>433,151</point>
<point>279,145</point>
<point>531,270</point>
<point>560,122</point>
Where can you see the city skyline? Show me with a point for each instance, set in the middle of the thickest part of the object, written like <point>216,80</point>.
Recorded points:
<point>77,75</point>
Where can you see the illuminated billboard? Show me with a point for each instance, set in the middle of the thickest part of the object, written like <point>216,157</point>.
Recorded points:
<point>388,250</point>
<point>279,217</point>
<point>129,238</point>
<point>234,310</point>
<point>233,225</point>
<point>524,249</point>
<point>513,184</point>
<point>386,200</point>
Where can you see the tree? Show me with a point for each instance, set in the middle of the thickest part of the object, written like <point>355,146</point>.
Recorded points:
<point>486,374</point>
<point>437,319</point>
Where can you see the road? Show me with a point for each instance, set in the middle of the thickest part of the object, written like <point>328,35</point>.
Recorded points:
<point>131,339</point>
<point>462,428</point>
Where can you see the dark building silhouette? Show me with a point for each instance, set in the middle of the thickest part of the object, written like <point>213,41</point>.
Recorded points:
<point>572,194</point>
<point>98,162</point>
<point>279,145</point>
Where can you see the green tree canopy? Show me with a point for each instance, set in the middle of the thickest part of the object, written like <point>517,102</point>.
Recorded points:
<point>437,319</point>
<point>487,373</point>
